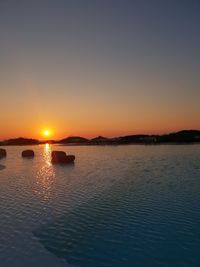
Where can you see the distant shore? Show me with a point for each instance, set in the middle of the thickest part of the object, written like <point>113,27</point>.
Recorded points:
<point>181,137</point>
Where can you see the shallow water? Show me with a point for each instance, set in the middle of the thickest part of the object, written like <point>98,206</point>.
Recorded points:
<point>117,206</point>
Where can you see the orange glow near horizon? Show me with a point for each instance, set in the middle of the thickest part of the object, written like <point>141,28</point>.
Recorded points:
<point>65,71</point>
<point>39,132</point>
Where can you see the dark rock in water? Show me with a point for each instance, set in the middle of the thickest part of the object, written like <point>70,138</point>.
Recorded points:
<point>58,156</point>
<point>71,158</point>
<point>61,157</point>
<point>2,167</point>
<point>3,153</point>
<point>28,153</point>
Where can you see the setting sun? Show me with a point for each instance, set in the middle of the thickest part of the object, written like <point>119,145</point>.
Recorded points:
<point>46,133</point>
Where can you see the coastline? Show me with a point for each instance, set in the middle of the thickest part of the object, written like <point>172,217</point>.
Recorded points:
<point>106,144</point>
<point>180,137</point>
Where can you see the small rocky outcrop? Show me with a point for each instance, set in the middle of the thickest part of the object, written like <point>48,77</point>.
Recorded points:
<point>2,167</point>
<point>28,153</point>
<point>3,153</point>
<point>60,157</point>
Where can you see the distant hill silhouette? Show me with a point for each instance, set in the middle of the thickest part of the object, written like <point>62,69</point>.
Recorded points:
<point>74,140</point>
<point>139,138</point>
<point>21,141</point>
<point>184,136</point>
<point>100,140</point>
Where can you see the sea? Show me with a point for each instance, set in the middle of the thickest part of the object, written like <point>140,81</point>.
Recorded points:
<point>123,205</point>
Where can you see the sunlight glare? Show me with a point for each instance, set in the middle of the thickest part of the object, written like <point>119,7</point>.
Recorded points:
<point>46,132</point>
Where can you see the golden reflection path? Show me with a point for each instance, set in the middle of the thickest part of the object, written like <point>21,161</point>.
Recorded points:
<point>46,175</point>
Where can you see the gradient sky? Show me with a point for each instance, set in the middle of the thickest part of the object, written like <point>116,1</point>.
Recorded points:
<point>99,67</point>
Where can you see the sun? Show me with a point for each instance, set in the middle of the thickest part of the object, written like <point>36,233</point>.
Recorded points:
<point>46,133</point>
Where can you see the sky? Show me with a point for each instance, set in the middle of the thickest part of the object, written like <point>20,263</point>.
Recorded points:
<point>104,67</point>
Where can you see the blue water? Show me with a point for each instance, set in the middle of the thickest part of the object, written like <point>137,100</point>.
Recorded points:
<point>117,206</point>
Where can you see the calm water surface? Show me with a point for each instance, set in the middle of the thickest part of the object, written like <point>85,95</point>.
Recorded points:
<point>117,206</point>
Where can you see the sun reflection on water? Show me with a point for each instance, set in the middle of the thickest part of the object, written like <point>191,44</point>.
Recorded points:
<point>47,154</point>
<point>46,175</point>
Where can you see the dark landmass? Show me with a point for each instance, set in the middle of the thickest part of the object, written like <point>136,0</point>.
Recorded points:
<point>181,137</point>
<point>185,136</point>
<point>100,140</point>
<point>48,142</point>
<point>74,140</point>
<point>20,141</point>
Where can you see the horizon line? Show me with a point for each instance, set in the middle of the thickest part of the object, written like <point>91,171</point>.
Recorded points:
<point>56,139</point>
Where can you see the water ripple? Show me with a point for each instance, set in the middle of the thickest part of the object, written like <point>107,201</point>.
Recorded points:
<point>118,206</point>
